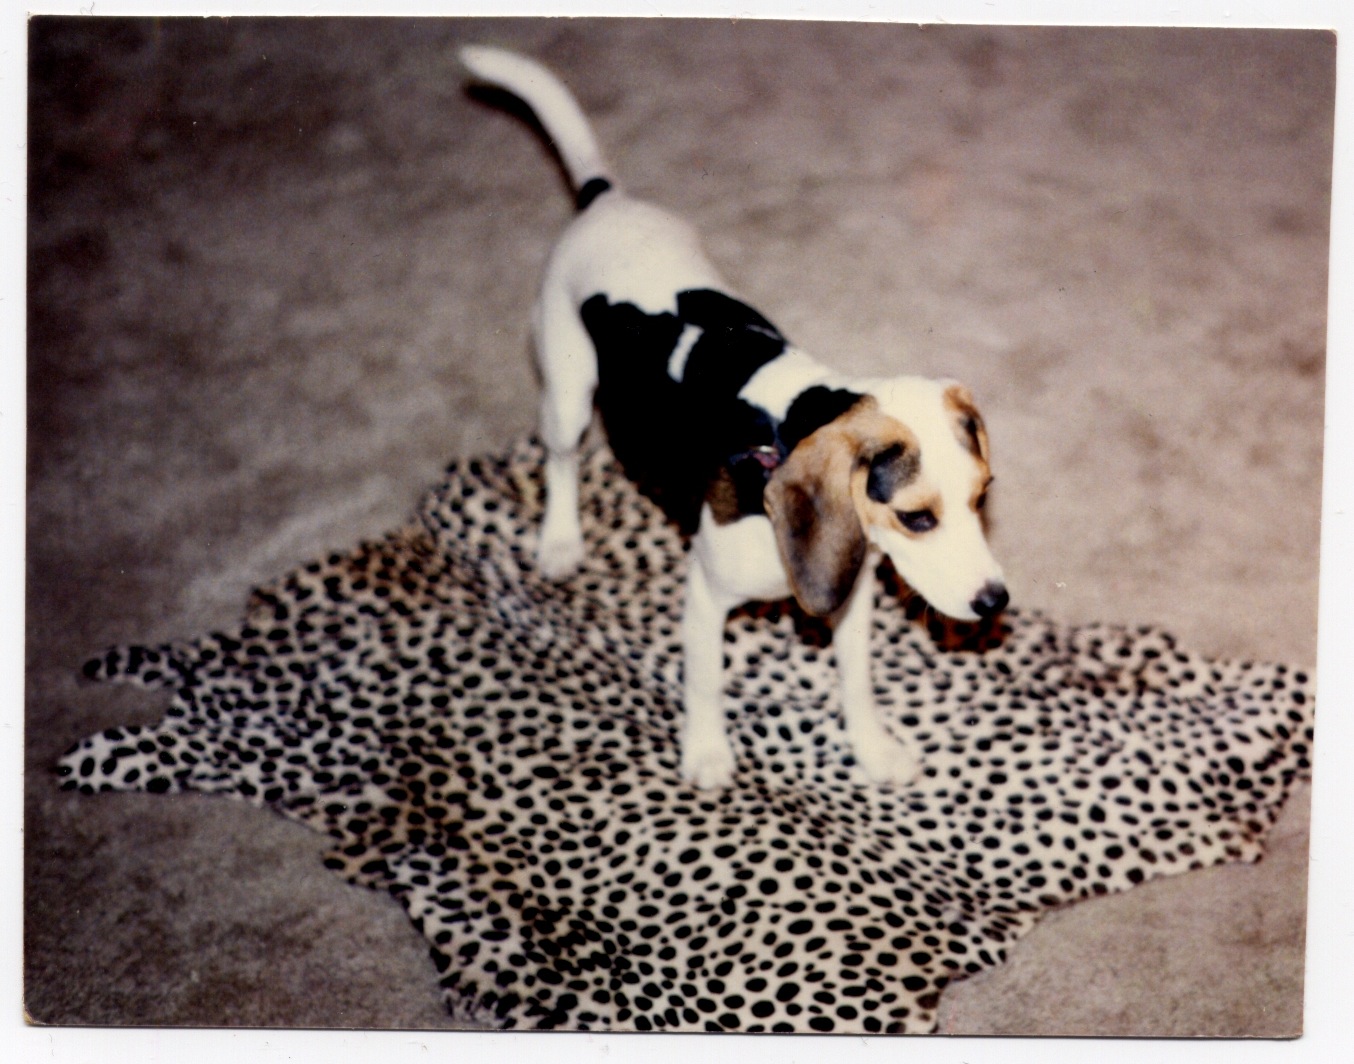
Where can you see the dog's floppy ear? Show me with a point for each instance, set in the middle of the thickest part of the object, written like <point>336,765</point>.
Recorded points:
<point>968,423</point>
<point>811,501</point>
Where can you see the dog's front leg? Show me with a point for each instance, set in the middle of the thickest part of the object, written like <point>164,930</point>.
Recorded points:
<point>707,757</point>
<point>884,758</point>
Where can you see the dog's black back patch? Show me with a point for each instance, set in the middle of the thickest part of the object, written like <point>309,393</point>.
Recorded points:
<point>734,343</point>
<point>668,397</point>
<point>812,409</point>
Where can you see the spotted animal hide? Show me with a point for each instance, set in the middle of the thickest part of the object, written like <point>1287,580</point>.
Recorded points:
<point>500,754</point>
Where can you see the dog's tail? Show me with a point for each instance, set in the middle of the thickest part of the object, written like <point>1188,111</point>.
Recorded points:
<point>556,110</point>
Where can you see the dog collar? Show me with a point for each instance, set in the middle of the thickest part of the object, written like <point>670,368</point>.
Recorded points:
<point>768,456</point>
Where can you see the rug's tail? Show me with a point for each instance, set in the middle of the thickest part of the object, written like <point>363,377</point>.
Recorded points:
<point>556,109</point>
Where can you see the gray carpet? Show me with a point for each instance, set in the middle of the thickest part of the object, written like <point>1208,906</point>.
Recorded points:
<point>280,275</point>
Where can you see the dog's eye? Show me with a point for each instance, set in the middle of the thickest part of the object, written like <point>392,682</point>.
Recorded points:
<point>917,520</point>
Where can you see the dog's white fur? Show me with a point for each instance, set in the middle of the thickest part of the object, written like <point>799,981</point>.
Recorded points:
<point>637,253</point>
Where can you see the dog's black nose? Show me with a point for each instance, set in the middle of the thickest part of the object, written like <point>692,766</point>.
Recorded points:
<point>991,600</point>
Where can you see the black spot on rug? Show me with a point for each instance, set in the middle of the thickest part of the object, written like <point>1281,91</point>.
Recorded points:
<point>500,754</point>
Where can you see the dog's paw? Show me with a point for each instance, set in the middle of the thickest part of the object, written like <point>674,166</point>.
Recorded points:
<point>708,766</point>
<point>559,557</point>
<point>885,760</point>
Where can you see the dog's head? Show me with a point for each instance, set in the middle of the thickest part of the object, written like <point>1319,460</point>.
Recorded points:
<point>906,469</point>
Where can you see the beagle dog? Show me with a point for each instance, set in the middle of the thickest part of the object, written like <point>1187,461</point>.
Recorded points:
<point>790,478</point>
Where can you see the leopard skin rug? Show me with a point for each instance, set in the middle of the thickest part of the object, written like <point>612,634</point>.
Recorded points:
<point>500,754</point>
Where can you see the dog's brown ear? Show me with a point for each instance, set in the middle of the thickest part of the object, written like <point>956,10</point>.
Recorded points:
<point>968,423</point>
<point>811,501</point>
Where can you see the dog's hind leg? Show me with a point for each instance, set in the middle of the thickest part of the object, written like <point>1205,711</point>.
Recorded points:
<point>569,375</point>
